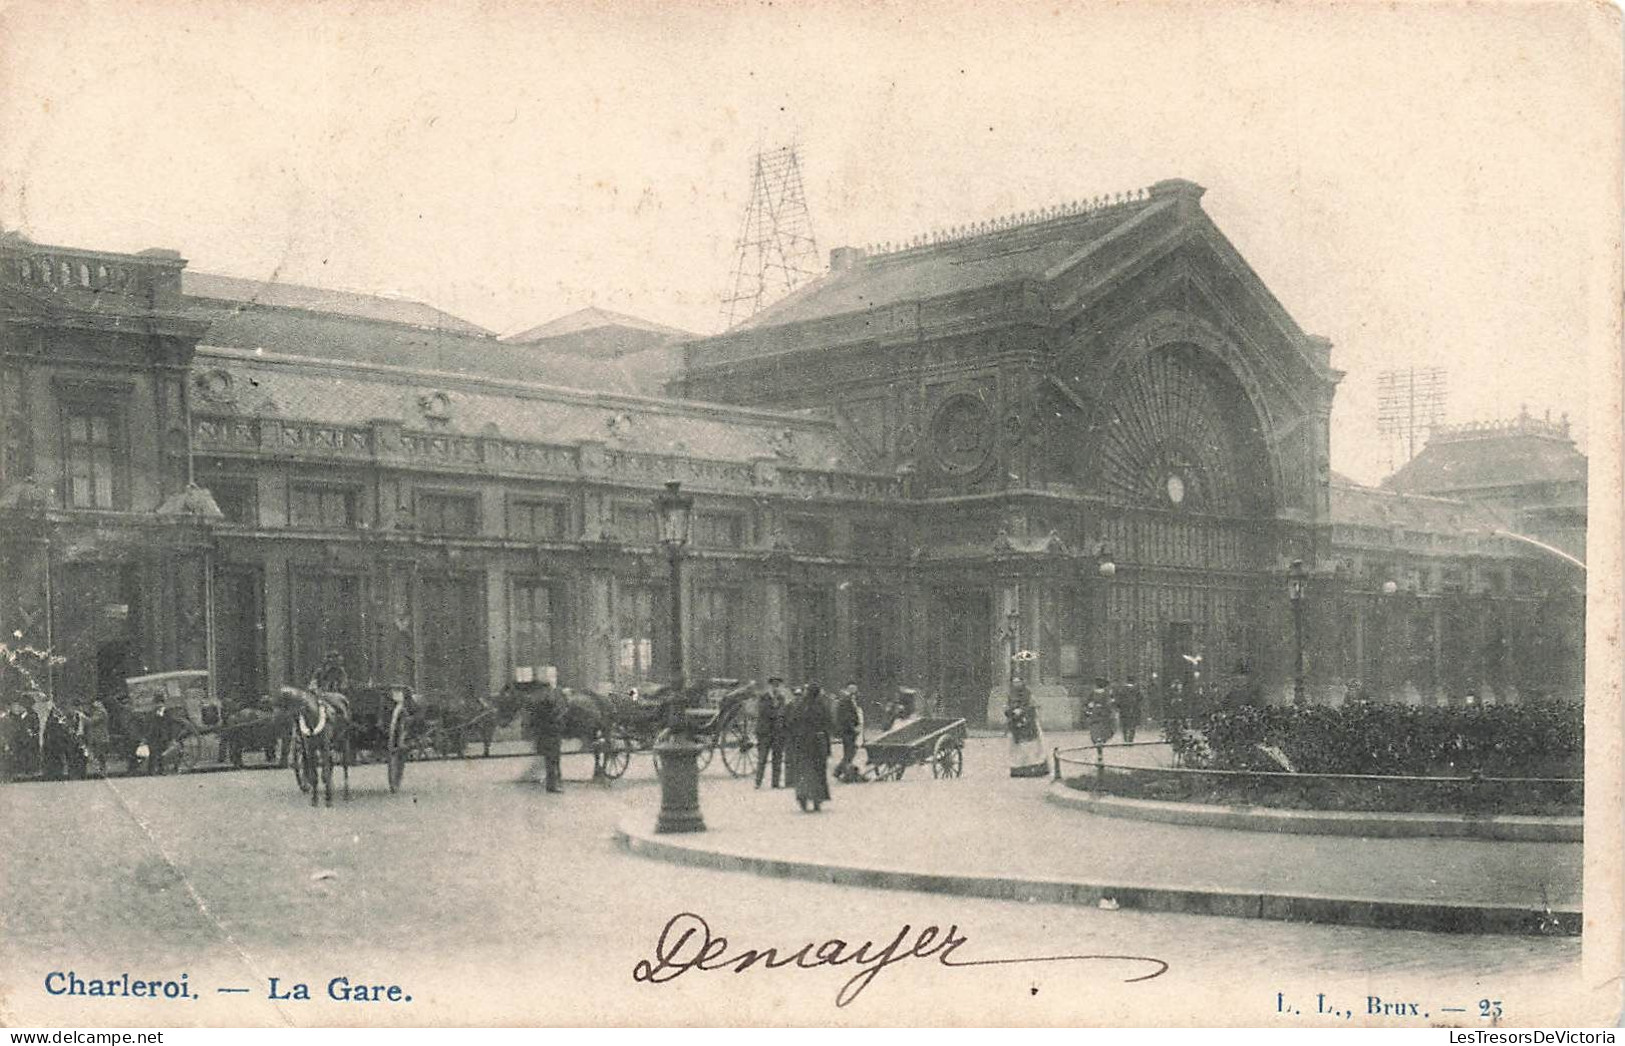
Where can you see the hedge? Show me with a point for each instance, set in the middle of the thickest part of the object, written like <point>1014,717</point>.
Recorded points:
<point>1524,740</point>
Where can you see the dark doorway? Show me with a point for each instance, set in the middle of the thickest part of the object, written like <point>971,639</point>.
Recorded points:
<point>239,635</point>
<point>964,632</point>
<point>812,634</point>
<point>327,615</point>
<point>1179,673</point>
<point>454,666</point>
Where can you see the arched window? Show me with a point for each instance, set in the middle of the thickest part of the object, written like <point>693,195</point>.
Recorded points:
<point>84,275</point>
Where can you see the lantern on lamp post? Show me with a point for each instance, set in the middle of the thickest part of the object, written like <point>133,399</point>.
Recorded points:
<point>1297,584</point>
<point>679,769</point>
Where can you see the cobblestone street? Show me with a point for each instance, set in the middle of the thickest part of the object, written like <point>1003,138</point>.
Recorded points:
<point>490,901</point>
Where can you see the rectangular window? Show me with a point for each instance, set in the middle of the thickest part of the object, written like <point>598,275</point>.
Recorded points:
<point>533,624</point>
<point>453,514</point>
<point>719,529</point>
<point>237,499</point>
<point>641,625</point>
<point>637,525</point>
<point>95,457</point>
<point>323,506</point>
<point>537,520</point>
<point>719,632</point>
<point>809,535</point>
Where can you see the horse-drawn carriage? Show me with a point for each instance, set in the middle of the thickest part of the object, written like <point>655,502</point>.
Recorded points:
<point>373,720</point>
<point>718,713</point>
<point>179,736</point>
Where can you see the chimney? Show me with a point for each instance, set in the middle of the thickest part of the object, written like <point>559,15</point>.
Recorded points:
<point>842,259</point>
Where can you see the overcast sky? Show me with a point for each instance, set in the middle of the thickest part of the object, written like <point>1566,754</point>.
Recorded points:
<point>1420,184</point>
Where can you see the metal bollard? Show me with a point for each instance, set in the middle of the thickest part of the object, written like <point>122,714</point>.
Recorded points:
<point>679,786</point>
<point>1055,756</point>
<point>1100,768</point>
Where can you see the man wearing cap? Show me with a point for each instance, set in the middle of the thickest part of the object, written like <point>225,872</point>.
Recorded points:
<point>770,730</point>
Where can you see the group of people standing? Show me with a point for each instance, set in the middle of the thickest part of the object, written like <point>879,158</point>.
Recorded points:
<point>1102,712</point>
<point>794,733</point>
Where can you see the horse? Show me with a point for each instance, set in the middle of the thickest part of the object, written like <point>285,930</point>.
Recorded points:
<point>257,727</point>
<point>475,717</point>
<point>321,724</point>
<point>586,718</point>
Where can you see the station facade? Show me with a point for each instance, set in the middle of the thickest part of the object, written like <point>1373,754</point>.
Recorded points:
<point>1091,435</point>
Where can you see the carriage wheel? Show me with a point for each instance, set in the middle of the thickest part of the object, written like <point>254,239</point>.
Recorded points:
<point>188,753</point>
<point>737,740</point>
<point>617,754</point>
<point>397,747</point>
<point>701,761</point>
<point>947,758</point>
<point>296,758</point>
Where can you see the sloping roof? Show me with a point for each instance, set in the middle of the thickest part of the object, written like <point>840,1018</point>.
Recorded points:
<point>1033,247</point>
<point>592,318</point>
<point>337,393</point>
<point>1354,504</point>
<point>380,308</point>
<point>301,332</point>
<point>1478,457</point>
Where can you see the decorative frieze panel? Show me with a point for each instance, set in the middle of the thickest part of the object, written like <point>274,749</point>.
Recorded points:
<point>275,436</point>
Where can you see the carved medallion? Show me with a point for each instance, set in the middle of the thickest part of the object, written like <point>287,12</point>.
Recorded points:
<point>962,435</point>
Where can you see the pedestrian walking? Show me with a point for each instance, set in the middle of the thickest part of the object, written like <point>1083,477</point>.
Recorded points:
<point>1130,701</point>
<point>98,735</point>
<point>1097,712</point>
<point>161,731</point>
<point>549,711</point>
<point>771,708</point>
<point>809,722</point>
<point>848,724</point>
<point>1027,757</point>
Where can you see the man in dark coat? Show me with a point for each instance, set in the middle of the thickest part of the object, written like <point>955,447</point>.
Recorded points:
<point>1130,707</point>
<point>162,730</point>
<point>848,720</point>
<point>1097,713</point>
<point>549,711</point>
<point>810,722</point>
<point>770,731</point>
<point>57,743</point>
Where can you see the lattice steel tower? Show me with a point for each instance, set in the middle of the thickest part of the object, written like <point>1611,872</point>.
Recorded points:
<point>776,249</point>
<point>1410,404</point>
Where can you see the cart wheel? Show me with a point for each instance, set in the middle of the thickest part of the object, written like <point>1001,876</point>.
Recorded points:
<point>737,739</point>
<point>947,758</point>
<point>296,758</point>
<point>397,747</point>
<point>188,753</point>
<point>617,754</point>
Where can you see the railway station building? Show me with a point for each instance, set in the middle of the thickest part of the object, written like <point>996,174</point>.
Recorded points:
<point>1090,434</point>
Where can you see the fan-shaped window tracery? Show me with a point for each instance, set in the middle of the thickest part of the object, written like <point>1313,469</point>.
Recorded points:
<point>1179,434</point>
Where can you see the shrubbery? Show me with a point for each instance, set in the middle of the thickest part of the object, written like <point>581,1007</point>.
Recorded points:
<point>1525,740</point>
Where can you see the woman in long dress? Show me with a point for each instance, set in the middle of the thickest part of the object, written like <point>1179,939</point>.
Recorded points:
<point>1027,757</point>
<point>810,725</point>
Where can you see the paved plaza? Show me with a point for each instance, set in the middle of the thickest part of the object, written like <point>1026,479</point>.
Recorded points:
<point>491,901</point>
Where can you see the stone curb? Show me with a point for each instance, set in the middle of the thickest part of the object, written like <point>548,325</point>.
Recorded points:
<point>1324,822</point>
<point>1435,916</point>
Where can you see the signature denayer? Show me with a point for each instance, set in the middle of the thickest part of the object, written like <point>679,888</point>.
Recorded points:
<point>686,943</point>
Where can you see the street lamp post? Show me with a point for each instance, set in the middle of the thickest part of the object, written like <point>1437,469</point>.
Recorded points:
<point>1107,570</point>
<point>1012,634</point>
<point>1297,582</point>
<point>679,770</point>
